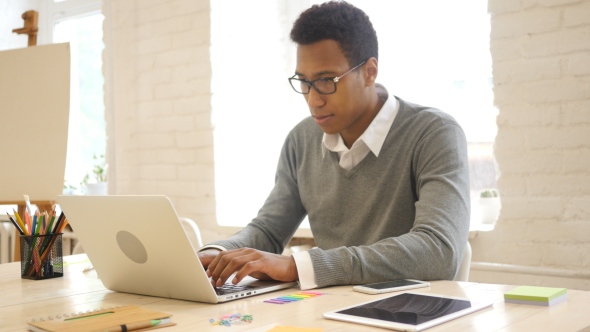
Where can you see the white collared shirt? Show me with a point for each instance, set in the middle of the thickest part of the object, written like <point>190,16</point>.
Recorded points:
<point>370,141</point>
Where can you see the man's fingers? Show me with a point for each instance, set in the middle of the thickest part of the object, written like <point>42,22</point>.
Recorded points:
<point>250,267</point>
<point>233,265</point>
<point>213,265</point>
<point>207,256</point>
<point>225,264</point>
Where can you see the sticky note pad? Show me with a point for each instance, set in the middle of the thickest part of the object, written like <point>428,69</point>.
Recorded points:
<point>275,301</point>
<point>531,293</point>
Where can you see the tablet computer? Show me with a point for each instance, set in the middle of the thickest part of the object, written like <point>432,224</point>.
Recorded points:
<point>408,311</point>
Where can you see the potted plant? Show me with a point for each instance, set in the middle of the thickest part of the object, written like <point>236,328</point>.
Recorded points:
<point>100,175</point>
<point>489,204</point>
<point>70,189</point>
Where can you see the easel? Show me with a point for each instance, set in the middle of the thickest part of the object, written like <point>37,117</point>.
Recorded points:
<point>31,28</point>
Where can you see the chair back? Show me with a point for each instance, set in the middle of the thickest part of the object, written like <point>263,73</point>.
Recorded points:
<point>463,272</point>
<point>193,233</point>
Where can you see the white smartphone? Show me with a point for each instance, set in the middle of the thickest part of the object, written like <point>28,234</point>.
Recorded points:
<point>390,286</point>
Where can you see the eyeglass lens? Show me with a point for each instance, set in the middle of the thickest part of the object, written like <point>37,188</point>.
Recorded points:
<point>322,86</point>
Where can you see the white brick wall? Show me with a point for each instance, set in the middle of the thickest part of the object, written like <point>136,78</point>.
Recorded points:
<point>541,65</point>
<point>158,99</point>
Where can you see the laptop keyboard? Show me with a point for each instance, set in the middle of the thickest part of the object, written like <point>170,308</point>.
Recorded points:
<point>230,288</point>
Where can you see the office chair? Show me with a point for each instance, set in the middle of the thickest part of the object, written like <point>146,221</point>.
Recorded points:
<point>463,273</point>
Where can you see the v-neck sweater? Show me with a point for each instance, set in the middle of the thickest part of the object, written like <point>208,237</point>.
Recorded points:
<point>404,214</point>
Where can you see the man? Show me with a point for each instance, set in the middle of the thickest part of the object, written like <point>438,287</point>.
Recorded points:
<point>384,182</point>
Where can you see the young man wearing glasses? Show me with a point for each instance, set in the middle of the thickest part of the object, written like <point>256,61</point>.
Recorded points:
<point>384,182</point>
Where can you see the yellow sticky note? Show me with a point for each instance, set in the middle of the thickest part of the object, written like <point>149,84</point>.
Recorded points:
<point>294,329</point>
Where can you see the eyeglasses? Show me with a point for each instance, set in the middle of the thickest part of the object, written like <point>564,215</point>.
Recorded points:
<point>324,85</point>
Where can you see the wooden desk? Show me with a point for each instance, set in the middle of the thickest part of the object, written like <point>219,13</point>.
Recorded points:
<point>21,300</point>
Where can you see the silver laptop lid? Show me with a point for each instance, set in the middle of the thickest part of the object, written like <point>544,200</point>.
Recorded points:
<point>137,245</point>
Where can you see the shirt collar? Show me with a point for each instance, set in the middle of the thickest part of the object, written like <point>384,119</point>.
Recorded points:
<point>374,136</point>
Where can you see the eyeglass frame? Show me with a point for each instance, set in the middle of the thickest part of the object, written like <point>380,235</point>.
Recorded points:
<point>311,84</point>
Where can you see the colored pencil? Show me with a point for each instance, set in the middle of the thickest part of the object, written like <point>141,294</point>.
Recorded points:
<point>27,221</point>
<point>34,224</point>
<point>40,223</point>
<point>45,221</point>
<point>20,221</point>
<point>59,220</point>
<point>48,230</point>
<point>15,225</point>
<point>38,220</point>
<point>49,227</point>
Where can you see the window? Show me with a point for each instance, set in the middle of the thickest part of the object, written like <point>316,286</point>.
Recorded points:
<point>80,24</point>
<point>431,52</point>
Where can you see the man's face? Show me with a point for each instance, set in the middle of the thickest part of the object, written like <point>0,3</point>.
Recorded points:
<point>341,110</point>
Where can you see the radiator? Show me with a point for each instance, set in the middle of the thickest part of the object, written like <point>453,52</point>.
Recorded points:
<point>7,234</point>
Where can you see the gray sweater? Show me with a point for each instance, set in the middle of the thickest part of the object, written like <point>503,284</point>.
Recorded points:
<point>404,214</point>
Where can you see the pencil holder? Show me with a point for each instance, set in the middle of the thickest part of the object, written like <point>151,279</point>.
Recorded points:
<point>41,256</point>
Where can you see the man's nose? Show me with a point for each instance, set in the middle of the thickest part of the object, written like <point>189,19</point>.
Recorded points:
<point>314,99</point>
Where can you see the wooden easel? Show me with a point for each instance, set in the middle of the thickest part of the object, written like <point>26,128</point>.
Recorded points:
<point>31,28</point>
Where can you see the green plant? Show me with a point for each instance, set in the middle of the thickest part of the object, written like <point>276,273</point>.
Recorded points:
<point>68,185</point>
<point>488,193</point>
<point>99,170</point>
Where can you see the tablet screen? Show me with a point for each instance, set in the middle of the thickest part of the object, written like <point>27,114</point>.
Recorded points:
<point>408,308</point>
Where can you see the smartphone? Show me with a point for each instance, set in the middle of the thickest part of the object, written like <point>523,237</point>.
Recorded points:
<point>390,286</point>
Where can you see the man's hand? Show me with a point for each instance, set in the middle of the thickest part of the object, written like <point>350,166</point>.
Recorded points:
<point>246,261</point>
<point>207,256</point>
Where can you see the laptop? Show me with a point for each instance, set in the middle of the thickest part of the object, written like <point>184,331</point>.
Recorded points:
<point>137,245</point>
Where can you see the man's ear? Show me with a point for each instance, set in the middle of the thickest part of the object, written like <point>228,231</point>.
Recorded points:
<point>370,72</point>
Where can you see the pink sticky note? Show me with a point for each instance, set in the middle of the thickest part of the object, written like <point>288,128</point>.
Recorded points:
<point>311,293</point>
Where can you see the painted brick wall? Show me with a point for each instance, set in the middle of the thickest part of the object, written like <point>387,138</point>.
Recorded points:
<point>158,99</point>
<point>541,67</point>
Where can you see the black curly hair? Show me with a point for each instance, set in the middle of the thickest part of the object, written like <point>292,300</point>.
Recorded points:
<point>339,21</point>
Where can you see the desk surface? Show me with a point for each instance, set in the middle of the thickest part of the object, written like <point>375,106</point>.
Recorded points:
<point>21,300</point>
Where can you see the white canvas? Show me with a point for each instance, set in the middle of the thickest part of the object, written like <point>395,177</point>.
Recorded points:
<point>34,113</point>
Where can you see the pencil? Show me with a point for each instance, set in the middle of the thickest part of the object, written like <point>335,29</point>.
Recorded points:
<point>34,226</point>
<point>15,224</point>
<point>48,230</point>
<point>45,221</point>
<point>20,222</point>
<point>59,220</point>
<point>27,220</point>
<point>134,326</point>
<point>49,227</point>
<point>39,222</point>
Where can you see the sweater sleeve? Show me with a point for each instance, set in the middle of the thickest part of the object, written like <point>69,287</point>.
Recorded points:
<point>434,247</point>
<point>281,214</point>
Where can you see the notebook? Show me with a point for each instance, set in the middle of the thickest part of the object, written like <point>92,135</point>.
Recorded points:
<point>137,245</point>
<point>130,316</point>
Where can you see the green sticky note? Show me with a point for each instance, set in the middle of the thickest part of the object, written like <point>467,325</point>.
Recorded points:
<point>531,293</point>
